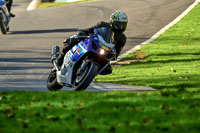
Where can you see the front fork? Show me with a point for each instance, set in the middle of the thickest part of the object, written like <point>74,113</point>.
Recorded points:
<point>82,68</point>
<point>103,68</point>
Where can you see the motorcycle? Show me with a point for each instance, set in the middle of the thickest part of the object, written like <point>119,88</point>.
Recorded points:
<point>83,62</point>
<point>4,17</point>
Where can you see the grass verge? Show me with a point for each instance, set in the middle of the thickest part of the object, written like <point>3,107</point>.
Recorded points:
<point>171,64</point>
<point>52,4</point>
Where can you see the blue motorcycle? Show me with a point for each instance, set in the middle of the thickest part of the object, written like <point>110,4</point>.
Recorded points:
<point>4,17</point>
<point>83,62</point>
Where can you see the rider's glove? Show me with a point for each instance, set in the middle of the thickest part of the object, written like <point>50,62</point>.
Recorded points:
<point>81,33</point>
<point>66,41</point>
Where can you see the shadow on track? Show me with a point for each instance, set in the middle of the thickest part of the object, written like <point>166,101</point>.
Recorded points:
<point>45,31</point>
<point>26,60</point>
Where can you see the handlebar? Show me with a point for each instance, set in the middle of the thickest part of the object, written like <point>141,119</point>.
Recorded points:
<point>82,37</point>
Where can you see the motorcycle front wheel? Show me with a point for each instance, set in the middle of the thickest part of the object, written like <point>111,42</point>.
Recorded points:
<point>52,83</point>
<point>2,25</point>
<point>83,80</point>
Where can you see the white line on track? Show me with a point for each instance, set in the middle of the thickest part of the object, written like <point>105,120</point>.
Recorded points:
<point>33,5</point>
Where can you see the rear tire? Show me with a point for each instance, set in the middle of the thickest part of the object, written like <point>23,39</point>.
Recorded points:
<point>2,26</point>
<point>52,83</point>
<point>87,77</point>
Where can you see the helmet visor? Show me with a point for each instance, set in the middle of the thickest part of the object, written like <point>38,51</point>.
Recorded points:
<point>119,25</point>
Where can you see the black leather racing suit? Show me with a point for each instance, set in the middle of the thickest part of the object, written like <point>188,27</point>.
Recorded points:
<point>119,41</point>
<point>9,4</point>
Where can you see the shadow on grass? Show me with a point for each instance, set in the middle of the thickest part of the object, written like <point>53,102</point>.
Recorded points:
<point>183,39</point>
<point>174,54</point>
<point>163,62</point>
<point>163,82</point>
<point>168,59</point>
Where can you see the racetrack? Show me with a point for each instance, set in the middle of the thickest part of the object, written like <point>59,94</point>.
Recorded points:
<point>25,52</point>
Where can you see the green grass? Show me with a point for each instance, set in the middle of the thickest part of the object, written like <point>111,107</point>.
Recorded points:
<point>52,4</point>
<point>170,64</point>
<point>79,112</point>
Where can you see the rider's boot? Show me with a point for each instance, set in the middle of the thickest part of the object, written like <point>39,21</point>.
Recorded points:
<point>12,15</point>
<point>59,60</point>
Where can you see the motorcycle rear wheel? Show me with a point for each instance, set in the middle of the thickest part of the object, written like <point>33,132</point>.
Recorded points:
<point>52,83</point>
<point>2,26</point>
<point>81,82</point>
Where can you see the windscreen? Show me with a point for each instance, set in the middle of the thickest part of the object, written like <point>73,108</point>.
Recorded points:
<point>105,32</point>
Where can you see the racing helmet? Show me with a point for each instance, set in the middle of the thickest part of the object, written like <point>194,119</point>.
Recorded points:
<point>118,21</point>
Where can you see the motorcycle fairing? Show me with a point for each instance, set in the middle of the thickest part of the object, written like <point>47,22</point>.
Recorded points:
<point>78,51</point>
<point>71,58</point>
<point>4,12</point>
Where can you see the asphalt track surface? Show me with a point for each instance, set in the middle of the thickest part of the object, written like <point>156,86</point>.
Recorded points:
<point>25,52</point>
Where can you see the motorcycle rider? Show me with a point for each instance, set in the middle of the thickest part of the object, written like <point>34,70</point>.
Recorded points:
<point>9,5</point>
<point>118,23</point>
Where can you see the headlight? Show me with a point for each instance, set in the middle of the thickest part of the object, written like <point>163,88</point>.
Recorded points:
<point>102,51</point>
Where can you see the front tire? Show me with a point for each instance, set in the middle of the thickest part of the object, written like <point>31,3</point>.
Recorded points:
<point>81,82</point>
<point>52,83</point>
<point>2,25</point>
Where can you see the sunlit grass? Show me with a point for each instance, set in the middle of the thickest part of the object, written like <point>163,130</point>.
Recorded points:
<point>161,111</point>
<point>52,4</point>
